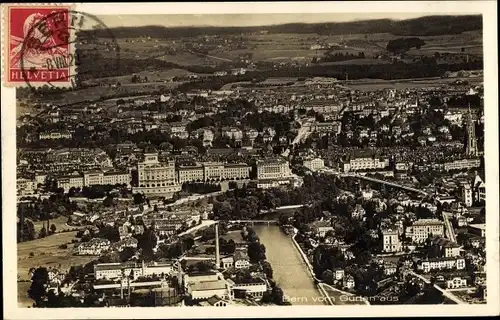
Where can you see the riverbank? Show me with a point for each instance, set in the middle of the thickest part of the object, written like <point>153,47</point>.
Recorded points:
<point>289,270</point>
<point>332,295</point>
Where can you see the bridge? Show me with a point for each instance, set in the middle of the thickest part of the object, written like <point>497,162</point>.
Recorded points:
<point>445,293</point>
<point>389,183</point>
<point>252,222</point>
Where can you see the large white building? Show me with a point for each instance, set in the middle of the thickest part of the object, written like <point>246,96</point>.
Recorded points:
<point>462,164</point>
<point>73,180</point>
<point>55,135</point>
<point>466,194</point>
<point>213,172</point>
<point>25,186</point>
<point>92,178</point>
<point>118,270</point>
<point>273,169</point>
<point>456,263</point>
<point>314,164</point>
<point>368,163</point>
<point>421,229</point>
<point>156,178</point>
<point>390,241</point>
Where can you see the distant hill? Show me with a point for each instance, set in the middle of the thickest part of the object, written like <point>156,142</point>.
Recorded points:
<point>424,26</point>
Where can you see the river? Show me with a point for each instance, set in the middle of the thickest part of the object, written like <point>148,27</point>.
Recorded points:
<point>289,270</point>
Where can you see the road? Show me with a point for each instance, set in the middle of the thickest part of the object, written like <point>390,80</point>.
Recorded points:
<point>445,293</point>
<point>304,132</point>
<point>389,183</point>
<point>203,224</point>
<point>449,231</point>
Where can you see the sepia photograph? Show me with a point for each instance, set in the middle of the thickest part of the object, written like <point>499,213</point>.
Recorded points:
<point>178,158</point>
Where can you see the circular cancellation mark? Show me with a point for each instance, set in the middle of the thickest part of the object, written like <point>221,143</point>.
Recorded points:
<point>47,48</point>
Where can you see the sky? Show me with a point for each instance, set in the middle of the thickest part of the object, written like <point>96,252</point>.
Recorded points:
<point>244,20</point>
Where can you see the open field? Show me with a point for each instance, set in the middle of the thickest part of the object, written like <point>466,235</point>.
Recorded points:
<point>187,59</point>
<point>378,84</point>
<point>46,252</point>
<point>367,61</point>
<point>233,234</point>
<point>152,75</point>
<point>60,224</point>
<point>96,93</point>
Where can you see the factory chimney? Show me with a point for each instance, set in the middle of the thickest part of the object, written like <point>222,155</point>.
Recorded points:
<point>217,254</point>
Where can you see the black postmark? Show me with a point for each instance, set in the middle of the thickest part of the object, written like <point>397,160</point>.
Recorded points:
<point>95,49</point>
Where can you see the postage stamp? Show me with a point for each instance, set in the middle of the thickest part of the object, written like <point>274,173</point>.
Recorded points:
<point>314,159</point>
<point>38,46</point>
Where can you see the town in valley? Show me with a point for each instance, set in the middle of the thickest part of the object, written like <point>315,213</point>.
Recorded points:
<point>332,164</point>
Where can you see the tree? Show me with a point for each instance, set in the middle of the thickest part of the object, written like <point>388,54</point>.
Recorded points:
<point>43,233</point>
<point>108,201</point>
<point>256,252</point>
<point>110,233</point>
<point>26,232</point>
<point>267,269</point>
<point>139,198</point>
<point>53,228</point>
<point>37,290</point>
<point>147,242</point>
<point>126,254</point>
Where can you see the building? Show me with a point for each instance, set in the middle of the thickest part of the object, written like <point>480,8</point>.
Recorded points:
<point>227,262</point>
<point>233,133</point>
<point>390,241</point>
<point>25,186</point>
<point>390,269</point>
<point>94,247</point>
<point>462,164</point>
<point>253,290</point>
<point>214,301</point>
<point>235,171</point>
<point>206,285</point>
<point>427,265</point>
<point>320,228</point>
<point>194,173</point>
<point>338,274</point>
<point>55,135</point>
<point>241,259</point>
<point>273,169</point>
<point>156,178</point>
<point>456,282</point>
<point>478,229</point>
<point>334,127</point>
<point>73,180</point>
<point>368,163</point>
<point>349,282</point>
<point>466,194</point>
<point>111,271</point>
<point>479,189</point>
<point>421,229</point>
<point>446,248</point>
<point>470,136</point>
<point>92,178</point>
<point>314,164</point>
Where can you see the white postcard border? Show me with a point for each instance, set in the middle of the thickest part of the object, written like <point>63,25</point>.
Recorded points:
<point>487,8</point>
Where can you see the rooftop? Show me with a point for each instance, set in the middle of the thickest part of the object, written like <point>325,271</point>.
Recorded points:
<point>208,285</point>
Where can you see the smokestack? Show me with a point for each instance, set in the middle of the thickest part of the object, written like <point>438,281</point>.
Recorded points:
<point>179,273</point>
<point>121,288</point>
<point>217,254</point>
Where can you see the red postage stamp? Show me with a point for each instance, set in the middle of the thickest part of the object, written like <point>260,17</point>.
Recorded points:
<point>38,37</point>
